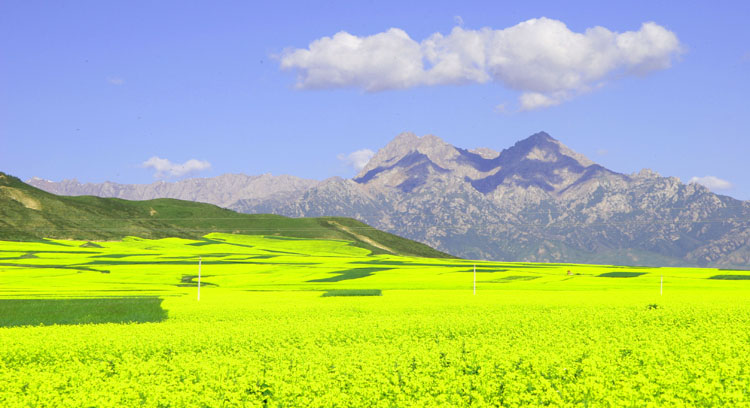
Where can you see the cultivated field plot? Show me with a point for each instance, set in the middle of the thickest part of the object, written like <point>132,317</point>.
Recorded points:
<point>296,322</point>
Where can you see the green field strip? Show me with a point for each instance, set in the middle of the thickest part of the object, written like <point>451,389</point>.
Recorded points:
<point>116,256</point>
<point>352,292</point>
<point>730,277</point>
<point>58,252</point>
<point>515,278</point>
<point>191,262</point>
<point>34,312</point>
<point>43,266</point>
<point>349,274</point>
<point>621,274</point>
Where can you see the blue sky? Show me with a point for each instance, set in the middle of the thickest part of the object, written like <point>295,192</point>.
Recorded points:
<point>93,90</point>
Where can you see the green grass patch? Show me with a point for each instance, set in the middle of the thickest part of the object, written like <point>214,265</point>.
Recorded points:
<point>730,277</point>
<point>66,267</point>
<point>348,274</point>
<point>34,312</point>
<point>119,255</point>
<point>515,278</point>
<point>188,281</point>
<point>621,274</point>
<point>353,292</point>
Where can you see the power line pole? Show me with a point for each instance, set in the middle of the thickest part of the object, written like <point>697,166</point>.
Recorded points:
<point>475,279</point>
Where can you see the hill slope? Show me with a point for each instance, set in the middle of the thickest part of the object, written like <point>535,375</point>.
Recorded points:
<point>27,213</point>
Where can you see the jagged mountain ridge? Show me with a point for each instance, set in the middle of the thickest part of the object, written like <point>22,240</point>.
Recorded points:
<point>224,190</point>
<point>535,201</point>
<point>539,160</point>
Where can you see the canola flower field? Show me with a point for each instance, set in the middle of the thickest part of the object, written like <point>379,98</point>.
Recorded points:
<point>295,322</point>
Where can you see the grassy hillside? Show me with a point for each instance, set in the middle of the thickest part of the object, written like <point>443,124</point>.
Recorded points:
<point>28,214</point>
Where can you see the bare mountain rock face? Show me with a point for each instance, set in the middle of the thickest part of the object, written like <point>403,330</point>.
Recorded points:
<point>535,201</point>
<point>224,190</point>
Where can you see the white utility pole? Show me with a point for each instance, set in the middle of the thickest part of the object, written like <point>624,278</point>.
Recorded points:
<point>200,259</point>
<point>475,279</point>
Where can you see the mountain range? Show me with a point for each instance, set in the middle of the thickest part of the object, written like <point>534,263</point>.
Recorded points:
<point>535,201</point>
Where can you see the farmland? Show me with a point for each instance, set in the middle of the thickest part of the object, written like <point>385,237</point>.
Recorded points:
<point>309,322</point>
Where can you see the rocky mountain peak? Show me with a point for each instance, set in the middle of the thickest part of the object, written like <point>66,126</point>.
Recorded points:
<point>539,137</point>
<point>540,160</point>
<point>646,173</point>
<point>543,147</point>
<point>433,147</point>
<point>408,162</point>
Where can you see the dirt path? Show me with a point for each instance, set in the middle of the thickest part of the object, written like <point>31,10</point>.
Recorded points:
<point>21,197</point>
<point>363,238</point>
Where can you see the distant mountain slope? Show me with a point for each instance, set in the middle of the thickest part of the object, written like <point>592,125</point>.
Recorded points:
<point>27,213</point>
<point>535,201</point>
<point>224,190</point>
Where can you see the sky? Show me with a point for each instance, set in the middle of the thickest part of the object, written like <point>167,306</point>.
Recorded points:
<point>139,91</point>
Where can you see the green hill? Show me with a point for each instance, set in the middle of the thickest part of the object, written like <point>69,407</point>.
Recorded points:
<point>29,214</point>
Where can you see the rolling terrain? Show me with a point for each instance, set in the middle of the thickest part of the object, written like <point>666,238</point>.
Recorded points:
<point>27,213</point>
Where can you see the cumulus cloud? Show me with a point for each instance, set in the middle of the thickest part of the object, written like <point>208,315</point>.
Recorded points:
<point>542,58</point>
<point>165,168</point>
<point>357,160</point>
<point>712,183</point>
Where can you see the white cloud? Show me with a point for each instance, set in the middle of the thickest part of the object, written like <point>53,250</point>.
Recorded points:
<point>458,20</point>
<point>116,81</point>
<point>382,61</point>
<point>357,160</point>
<point>165,168</point>
<point>536,100</point>
<point>712,183</point>
<point>543,59</point>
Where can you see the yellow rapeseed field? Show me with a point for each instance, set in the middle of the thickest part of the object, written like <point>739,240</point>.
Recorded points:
<point>116,324</point>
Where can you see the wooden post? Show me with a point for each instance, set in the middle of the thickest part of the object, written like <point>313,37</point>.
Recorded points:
<point>475,279</point>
